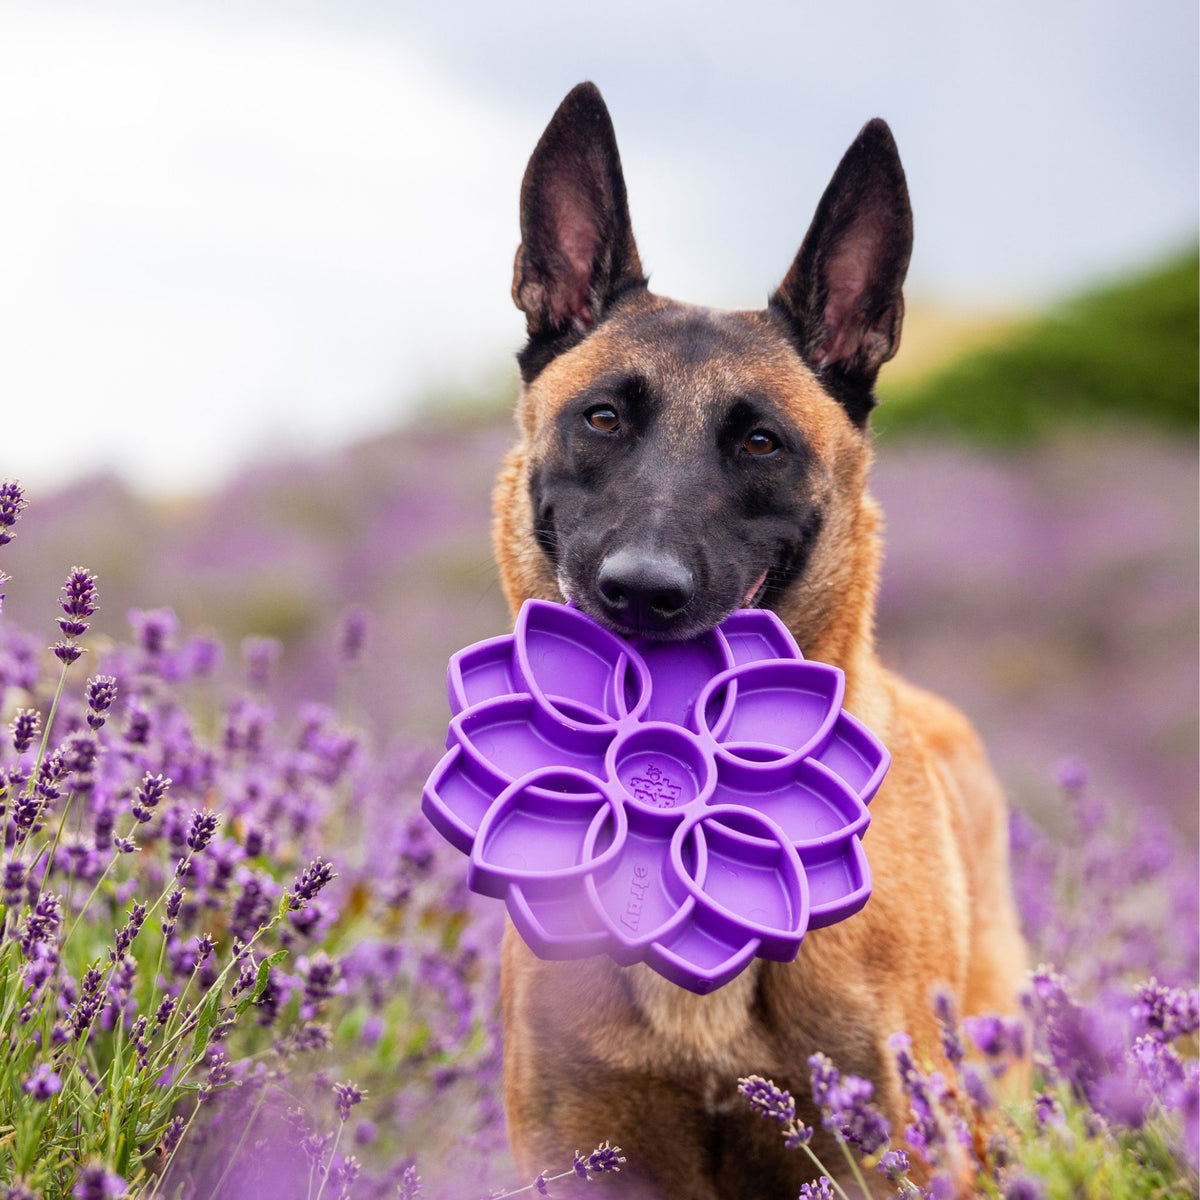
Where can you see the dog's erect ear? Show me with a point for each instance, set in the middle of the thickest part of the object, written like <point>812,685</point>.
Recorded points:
<point>842,296</point>
<point>577,251</point>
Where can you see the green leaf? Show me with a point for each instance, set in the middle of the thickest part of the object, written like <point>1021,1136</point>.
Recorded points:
<point>207,1019</point>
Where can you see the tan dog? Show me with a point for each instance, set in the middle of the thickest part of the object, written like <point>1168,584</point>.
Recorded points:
<point>676,463</point>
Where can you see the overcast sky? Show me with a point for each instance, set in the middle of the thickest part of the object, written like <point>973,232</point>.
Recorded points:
<point>228,230</point>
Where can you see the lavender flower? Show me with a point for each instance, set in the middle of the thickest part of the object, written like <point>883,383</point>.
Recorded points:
<point>356,624</point>
<point>260,655</point>
<point>172,1135</point>
<point>925,1134</point>
<point>125,936</point>
<point>1166,1013</point>
<point>309,882</point>
<point>347,1096</point>
<point>201,827</point>
<point>78,602</point>
<point>894,1164</point>
<point>25,726</point>
<point>101,692</point>
<point>820,1189</point>
<point>766,1099</point>
<point>150,792</point>
<point>98,1183</point>
<point>153,630</point>
<point>1023,1187</point>
<point>603,1159</point>
<point>409,1188</point>
<point>943,1007</point>
<point>853,1117</point>
<point>12,501</point>
<point>43,1083</point>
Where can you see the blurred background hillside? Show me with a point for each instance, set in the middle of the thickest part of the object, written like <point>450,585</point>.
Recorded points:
<point>257,326</point>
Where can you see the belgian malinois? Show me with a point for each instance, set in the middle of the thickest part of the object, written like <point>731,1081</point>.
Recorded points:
<point>676,463</point>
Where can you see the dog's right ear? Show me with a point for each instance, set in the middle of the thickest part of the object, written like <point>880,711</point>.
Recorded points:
<point>577,252</point>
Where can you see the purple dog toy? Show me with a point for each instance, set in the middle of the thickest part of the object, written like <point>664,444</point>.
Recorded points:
<point>689,805</point>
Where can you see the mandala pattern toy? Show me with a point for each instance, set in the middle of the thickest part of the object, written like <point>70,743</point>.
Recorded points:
<point>689,805</point>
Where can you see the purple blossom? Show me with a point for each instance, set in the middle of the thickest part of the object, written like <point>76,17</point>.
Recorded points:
<point>767,1100</point>
<point>78,602</point>
<point>1023,1187</point>
<point>603,1159</point>
<point>1000,1039</point>
<point>153,630</point>
<point>1166,1013</point>
<point>352,636</point>
<point>894,1164</point>
<point>943,1007</point>
<point>409,1187</point>
<point>260,655</point>
<point>853,1117</point>
<point>201,826</point>
<point>347,1095</point>
<point>98,1183</point>
<point>101,692</point>
<point>824,1078</point>
<point>149,794</point>
<point>25,726</point>
<point>1047,1110</point>
<point>925,1134</point>
<point>819,1189</point>
<point>43,1083</point>
<point>12,501</point>
<point>309,882</point>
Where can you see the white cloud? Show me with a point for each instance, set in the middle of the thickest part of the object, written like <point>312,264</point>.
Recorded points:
<point>222,234</point>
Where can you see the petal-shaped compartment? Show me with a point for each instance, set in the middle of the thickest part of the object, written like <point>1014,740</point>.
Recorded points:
<point>536,835</point>
<point>561,927</point>
<point>562,655</point>
<point>755,634</point>
<point>805,799</point>
<point>457,794</point>
<point>751,884</point>
<point>855,755</point>
<point>839,881</point>
<point>778,708</point>
<point>640,893</point>
<point>481,672</point>
<point>680,671</point>
<point>513,735</point>
<point>699,961</point>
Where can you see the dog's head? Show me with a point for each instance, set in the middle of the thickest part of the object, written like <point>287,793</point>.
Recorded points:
<point>679,462</point>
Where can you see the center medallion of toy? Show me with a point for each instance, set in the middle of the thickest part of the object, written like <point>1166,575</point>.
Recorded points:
<point>689,805</point>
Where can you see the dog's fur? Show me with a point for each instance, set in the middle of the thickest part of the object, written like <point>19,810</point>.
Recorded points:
<point>676,463</point>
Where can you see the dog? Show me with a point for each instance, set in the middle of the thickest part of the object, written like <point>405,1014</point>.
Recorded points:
<point>675,463</point>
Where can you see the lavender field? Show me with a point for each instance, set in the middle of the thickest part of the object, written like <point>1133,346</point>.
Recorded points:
<point>264,977</point>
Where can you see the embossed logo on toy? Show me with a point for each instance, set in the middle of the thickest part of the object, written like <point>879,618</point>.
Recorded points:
<point>655,788</point>
<point>632,916</point>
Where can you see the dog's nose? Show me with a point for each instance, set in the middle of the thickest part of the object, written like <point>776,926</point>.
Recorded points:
<point>644,591</point>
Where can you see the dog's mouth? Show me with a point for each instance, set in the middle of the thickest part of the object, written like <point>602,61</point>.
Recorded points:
<point>757,591</point>
<point>690,622</point>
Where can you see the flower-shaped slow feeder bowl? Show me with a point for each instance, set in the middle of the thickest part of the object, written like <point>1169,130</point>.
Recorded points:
<point>689,805</point>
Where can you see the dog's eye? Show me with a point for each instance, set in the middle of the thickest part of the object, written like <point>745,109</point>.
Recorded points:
<point>603,418</point>
<point>760,442</point>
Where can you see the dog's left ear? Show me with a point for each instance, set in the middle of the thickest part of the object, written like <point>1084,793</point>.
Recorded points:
<point>577,252</point>
<point>842,297</point>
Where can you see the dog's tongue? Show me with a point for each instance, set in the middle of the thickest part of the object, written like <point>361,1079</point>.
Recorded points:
<point>749,600</point>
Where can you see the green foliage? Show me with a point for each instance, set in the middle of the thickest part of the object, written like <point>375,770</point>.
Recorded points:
<point>1076,1157</point>
<point>1127,352</point>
